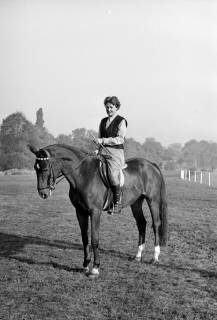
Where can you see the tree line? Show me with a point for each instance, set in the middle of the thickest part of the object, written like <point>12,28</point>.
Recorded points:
<point>16,132</point>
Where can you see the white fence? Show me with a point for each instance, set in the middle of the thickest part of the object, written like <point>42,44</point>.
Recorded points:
<point>203,177</point>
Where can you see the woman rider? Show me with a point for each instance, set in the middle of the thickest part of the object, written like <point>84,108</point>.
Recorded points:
<point>112,131</point>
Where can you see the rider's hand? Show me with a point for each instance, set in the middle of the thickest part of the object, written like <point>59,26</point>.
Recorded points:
<point>99,141</point>
<point>96,152</point>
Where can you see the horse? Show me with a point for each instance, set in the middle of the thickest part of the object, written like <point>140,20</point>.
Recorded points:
<point>87,192</point>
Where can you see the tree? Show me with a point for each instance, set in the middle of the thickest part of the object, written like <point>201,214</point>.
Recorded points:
<point>200,155</point>
<point>15,134</point>
<point>83,139</point>
<point>39,118</point>
<point>153,150</point>
<point>133,148</point>
<point>190,153</point>
<point>64,139</point>
<point>173,151</point>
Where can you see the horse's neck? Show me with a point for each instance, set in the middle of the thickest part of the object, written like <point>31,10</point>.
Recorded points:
<point>70,153</point>
<point>71,162</point>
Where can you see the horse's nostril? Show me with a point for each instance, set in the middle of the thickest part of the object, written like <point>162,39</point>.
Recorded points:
<point>43,195</point>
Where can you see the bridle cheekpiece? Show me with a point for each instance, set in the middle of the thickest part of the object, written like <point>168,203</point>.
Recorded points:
<point>51,180</point>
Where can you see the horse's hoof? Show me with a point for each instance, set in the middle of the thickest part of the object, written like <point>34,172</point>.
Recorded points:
<point>86,270</point>
<point>134,258</point>
<point>138,259</point>
<point>92,276</point>
<point>154,262</point>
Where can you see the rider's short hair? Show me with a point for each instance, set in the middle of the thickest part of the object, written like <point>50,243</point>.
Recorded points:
<point>114,100</point>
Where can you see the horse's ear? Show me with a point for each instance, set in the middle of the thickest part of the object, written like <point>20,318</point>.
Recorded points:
<point>46,153</point>
<point>32,149</point>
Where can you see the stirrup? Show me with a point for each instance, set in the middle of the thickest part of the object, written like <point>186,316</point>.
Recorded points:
<point>111,209</point>
<point>117,208</point>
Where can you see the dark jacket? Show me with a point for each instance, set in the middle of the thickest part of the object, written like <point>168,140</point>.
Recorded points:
<point>112,130</point>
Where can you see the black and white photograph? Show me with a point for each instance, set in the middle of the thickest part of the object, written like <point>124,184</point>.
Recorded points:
<point>108,160</point>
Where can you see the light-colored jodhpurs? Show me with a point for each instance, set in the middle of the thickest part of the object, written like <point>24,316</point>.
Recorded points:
<point>115,164</point>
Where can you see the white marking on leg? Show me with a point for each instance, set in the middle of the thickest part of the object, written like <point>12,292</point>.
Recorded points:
<point>95,271</point>
<point>86,269</point>
<point>156,253</point>
<point>140,249</point>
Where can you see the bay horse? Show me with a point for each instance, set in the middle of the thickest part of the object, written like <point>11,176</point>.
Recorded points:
<point>143,180</point>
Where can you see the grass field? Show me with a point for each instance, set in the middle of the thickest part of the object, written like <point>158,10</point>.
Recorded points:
<point>41,259</point>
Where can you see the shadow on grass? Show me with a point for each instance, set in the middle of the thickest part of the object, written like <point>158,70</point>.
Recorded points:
<point>50,263</point>
<point>203,273</point>
<point>11,244</point>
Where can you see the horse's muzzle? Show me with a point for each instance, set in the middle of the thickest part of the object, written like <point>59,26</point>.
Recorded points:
<point>45,193</point>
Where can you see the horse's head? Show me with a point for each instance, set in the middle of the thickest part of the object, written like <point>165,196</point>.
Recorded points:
<point>47,171</point>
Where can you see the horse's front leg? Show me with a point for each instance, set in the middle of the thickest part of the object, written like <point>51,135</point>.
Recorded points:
<point>95,224</point>
<point>83,219</point>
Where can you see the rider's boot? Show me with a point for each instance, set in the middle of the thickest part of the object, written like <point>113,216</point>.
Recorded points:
<point>116,190</point>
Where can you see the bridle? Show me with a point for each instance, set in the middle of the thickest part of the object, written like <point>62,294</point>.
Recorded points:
<point>52,181</point>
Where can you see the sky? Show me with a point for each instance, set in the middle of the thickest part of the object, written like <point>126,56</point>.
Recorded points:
<point>159,57</point>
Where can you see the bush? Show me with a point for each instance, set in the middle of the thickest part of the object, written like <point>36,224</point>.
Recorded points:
<point>15,160</point>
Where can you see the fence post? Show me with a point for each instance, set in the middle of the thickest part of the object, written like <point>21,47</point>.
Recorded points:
<point>201,177</point>
<point>189,175</point>
<point>209,179</point>
<point>195,176</point>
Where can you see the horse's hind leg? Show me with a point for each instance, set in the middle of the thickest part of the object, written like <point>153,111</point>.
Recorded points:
<point>83,220</point>
<point>155,213</point>
<point>141,225</point>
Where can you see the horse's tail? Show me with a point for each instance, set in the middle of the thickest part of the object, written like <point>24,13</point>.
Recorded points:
<point>163,229</point>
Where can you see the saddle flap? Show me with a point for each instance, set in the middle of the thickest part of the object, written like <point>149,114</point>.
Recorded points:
<point>103,171</point>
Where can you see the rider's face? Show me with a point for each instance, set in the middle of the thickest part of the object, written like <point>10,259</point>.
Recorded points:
<point>110,109</point>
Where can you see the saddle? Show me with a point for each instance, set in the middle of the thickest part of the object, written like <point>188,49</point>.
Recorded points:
<point>103,171</point>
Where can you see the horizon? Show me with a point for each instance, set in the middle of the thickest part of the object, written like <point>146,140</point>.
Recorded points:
<point>128,137</point>
<point>158,57</point>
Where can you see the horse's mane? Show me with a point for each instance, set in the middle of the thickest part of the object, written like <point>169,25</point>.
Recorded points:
<point>72,148</point>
